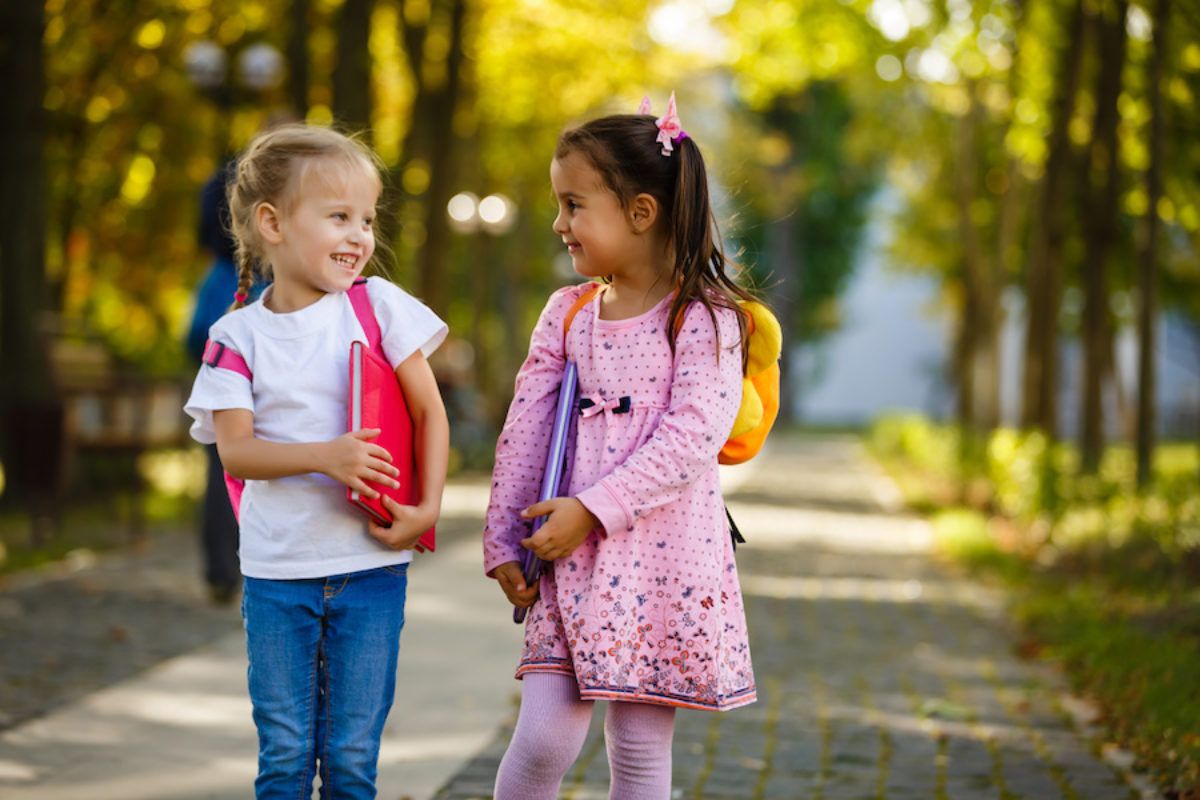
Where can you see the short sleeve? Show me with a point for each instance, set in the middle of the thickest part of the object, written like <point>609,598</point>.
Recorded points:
<point>407,324</point>
<point>216,389</point>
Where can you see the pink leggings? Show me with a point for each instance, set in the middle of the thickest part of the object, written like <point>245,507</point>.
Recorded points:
<point>550,731</point>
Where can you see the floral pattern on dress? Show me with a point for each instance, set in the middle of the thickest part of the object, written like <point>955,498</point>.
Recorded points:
<point>648,608</point>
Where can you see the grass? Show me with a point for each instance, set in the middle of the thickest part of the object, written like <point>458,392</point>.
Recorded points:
<point>95,525</point>
<point>1102,579</point>
<point>96,513</point>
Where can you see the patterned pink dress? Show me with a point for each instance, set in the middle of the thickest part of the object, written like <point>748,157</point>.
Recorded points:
<point>648,608</point>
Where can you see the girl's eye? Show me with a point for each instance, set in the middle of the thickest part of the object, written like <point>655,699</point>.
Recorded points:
<point>339,216</point>
<point>369,221</point>
<point>572,205</point>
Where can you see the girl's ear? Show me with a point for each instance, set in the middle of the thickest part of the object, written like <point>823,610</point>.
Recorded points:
<point>643,212</point>
<point>266,222</point>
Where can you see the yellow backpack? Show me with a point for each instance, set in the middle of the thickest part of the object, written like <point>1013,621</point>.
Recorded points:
<point>760,383</point>
<point>760,386</point>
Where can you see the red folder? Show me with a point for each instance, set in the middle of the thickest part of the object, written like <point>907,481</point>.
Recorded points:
<point>376,401</point>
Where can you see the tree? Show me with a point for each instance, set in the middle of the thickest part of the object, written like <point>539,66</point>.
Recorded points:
<point>352,70</point>
<point>1044,280</point>
<point>1148,272</point>
<point>426,154</point>
<point>296,51</point>
<point>805,213</point>
<point>32,430</point>
<point>806,77</point>
<point>1102,191</point>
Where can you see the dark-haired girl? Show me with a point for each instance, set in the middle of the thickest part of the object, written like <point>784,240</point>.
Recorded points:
<point>640,605</point>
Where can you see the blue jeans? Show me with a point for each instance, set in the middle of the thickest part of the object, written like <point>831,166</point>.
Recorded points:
<point>322,677</point>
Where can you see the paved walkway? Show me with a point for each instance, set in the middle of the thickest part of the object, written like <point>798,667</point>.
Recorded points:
<point>181,730</point>
<point>881,676</point>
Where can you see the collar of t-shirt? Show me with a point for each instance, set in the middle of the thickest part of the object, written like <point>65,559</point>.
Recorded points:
<point>306,321</point>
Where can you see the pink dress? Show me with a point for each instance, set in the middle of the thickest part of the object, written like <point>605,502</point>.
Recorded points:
<point>647,609</point>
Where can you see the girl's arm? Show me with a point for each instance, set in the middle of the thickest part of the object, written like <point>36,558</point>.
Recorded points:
<point>525,438</point>
<point>431,443</point>
<point>348,459</point>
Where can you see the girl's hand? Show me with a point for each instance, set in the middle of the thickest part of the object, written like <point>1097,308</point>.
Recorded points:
<point>352,459</point>
<point>569,524</point>
<point>408,523</point>
<point>512,581</point>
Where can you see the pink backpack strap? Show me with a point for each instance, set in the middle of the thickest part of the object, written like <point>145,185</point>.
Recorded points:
<point>366,315</point>
<point>217,354</point>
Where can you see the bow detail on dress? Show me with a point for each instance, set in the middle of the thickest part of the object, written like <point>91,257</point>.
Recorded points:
<point>591,406</point>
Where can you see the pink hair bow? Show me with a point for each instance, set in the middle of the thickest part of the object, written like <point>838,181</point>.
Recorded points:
<point>669,129</point>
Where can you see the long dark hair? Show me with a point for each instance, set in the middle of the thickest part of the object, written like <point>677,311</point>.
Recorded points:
<point>624,149</point>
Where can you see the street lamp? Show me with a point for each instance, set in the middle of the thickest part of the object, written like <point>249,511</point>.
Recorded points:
<point>494,214</point>
<point>259,70</point>
<point>260,66</point>
<point>206,64</point>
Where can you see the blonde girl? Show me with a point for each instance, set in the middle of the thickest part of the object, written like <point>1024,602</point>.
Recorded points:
<point>324,590</point>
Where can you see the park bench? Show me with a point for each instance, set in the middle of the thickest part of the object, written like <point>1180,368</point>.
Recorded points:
<point>110,415</point>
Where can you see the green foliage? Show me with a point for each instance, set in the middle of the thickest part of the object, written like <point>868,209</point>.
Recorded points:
<point>808,175</point>
<point>963,535</point>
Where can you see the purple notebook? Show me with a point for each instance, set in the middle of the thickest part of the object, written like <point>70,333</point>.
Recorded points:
<point>554,479</point>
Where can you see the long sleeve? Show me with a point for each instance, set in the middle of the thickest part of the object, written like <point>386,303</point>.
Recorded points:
<point>705,396</point>
<point>525,438</point>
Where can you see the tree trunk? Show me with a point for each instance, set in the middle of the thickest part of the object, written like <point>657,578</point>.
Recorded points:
<point>352,70</point>
<point>1007,249</point>
<point>1148,274</point>
<point>787,279</point>
<point>1044,284</point>
<point>430,141</point>
<point>1101,191</point>
<point>32,429</point>
<point>297,57</point>
<point>977,396</point>
<point>439,126</point>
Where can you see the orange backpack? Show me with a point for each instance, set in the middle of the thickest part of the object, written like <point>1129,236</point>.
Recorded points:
<point>760,383</point>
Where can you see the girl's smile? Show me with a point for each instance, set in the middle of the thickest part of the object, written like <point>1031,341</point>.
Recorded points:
<point>347,261</point>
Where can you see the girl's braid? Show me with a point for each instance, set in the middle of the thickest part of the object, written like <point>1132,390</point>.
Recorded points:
<point>245,272</point>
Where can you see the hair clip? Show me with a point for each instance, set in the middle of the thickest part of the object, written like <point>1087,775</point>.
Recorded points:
<point>669,129</point>
<point>241,297</point>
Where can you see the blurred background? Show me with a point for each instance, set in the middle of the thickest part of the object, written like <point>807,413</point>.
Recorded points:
<point>977,220</point>
<point>985,213</point>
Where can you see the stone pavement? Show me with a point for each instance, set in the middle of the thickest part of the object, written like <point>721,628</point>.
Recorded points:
<point>881,675</point>
<point>181,730</point>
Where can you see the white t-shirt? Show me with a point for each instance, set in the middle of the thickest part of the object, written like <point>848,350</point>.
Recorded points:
<point>302,526</point>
